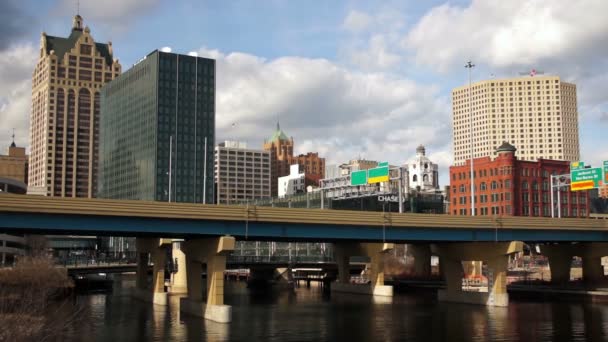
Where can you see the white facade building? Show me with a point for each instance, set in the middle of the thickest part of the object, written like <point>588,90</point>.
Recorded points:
<point>241,174</point>
<point>422,172</point>
<point>293,183</point>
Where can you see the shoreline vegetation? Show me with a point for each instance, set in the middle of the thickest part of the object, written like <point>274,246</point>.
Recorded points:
<point>36,301</point>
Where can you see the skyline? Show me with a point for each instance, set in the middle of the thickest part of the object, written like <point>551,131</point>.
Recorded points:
<point>329,76</point>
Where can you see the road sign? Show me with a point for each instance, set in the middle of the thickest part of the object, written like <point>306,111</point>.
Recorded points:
<point>585,179</point>
<point>606,172</point>
<point>382,164</point>
<point>577,165</point>
<point>358,178</point>
<point>377,175</point>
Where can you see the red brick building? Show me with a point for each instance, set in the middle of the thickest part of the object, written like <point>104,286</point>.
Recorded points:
<point>281,157</point>
<point>508,186</point>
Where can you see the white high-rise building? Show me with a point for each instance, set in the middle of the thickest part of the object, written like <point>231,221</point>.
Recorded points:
<point>241,174</point>
<point>423,174</point>
<point>536,114</point>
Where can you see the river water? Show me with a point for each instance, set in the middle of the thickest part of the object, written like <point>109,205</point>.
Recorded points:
<point>307,314</point>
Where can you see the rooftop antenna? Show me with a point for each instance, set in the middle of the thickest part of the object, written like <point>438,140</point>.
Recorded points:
<point>532,73</point>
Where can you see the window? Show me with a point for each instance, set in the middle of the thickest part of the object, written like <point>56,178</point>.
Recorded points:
<point>524,185</point>
<point>494,185</point>
<point>483,186</point>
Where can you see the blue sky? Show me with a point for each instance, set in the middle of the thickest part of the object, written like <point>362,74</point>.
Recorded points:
<point>345,78</point>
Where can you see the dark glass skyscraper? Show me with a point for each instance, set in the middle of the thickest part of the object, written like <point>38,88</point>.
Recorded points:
<point>158,129</point>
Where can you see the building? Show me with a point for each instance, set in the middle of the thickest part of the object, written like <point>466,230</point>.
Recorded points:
<point>158,130</point>
<point>537,114</point>
<point>241,174</point>
<point>293,183</point>
<point>281,155</point>
<point>281,151</point>
<point>312,165</point>
<point>65,112</point>
<point>13,179</point>
<point>423,174</point>
<point>357,165</point>
<point>13,170</point>
<point>603,191</point>
<point>508,186</point>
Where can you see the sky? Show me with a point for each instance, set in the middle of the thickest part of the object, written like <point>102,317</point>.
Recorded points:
<point>349,79</point>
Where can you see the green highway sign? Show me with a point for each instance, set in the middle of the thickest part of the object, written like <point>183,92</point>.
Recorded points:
<point>606,172</point>
<point>579,165</point>
<point>358,178</point>
<point>378,175</point>
<point>382,164</point>
<point>585,179</point>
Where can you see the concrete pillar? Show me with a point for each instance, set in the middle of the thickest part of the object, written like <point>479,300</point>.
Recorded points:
<point>495,254</point>
<point>178,279</point>
<point>375,251</point>
<point>141,280</point>
<point>157,250</point>
<point>560,261</point>
<point>194,274</point>
<point>422,260</point>
<point>343,262</point>
<point>212,252</point>
<point>216,265</point>
<point>159,258</point>
<point>593,271</point>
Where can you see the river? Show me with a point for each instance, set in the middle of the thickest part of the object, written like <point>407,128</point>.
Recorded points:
<point>307,314</point>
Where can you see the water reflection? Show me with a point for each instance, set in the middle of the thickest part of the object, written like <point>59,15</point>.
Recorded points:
<point>309,314</point>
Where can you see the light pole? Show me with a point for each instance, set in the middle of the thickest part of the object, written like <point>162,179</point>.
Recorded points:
<point>470,66</point>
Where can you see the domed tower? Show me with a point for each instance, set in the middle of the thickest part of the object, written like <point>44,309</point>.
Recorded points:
<point>422,172</point>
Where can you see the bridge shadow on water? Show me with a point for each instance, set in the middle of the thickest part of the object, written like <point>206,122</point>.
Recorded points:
<point>310,314</point>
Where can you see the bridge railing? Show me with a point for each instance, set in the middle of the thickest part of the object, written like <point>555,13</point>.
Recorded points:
<point>84,261</point>
<point>278,259</point>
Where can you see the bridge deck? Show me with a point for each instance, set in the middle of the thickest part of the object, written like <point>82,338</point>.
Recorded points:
<point>69,215</point>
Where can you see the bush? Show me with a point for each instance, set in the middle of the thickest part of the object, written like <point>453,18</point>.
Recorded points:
<point>31,295</point>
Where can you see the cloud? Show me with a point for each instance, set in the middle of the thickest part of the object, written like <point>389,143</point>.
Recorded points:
<point>338,112</point>
<point>14,23</point>
<point>356,21</point>
<point>505,33</point>
<point>376,56</point>
<point>16,66</point>
<point>117,15</point>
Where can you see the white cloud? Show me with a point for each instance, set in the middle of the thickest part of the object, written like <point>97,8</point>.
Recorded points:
<point>376,56</point>
<point>504,33</point>
<point>338,112</point>
<point>356,21</point>
<point>16,66</point>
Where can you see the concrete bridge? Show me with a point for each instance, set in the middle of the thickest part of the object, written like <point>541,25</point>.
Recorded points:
<point>210,231</point>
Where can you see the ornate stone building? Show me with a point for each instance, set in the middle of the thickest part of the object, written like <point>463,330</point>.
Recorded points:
<point>281,158</point>
<point>422,172</point>
<point>64,122</point>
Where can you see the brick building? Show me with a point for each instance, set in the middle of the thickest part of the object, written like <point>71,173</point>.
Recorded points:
<point>281,158</point>
<point>508,186</point>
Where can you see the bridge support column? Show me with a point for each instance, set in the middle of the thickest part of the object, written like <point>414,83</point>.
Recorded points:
<point>560,261</point>
<point>422,260</point>
<point>496,255</point>
<point>154,292</point>
<point>593,270</point>
<point>178,278</point>
<point>375,251</point>
<point>212,252</point>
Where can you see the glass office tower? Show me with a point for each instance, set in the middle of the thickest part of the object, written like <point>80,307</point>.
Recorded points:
<point>157,130</point>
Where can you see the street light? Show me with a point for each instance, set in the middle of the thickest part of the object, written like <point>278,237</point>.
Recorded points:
<point>470,66</point>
